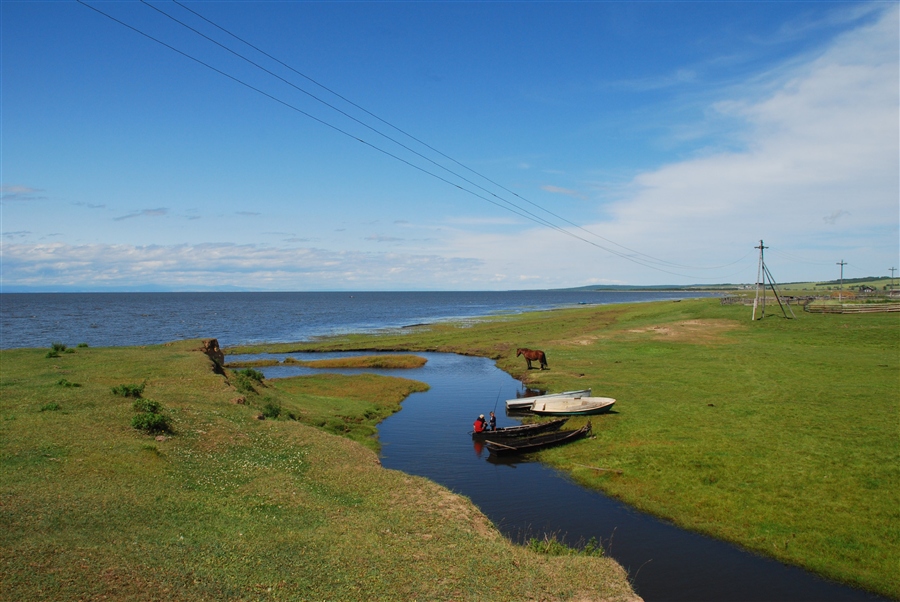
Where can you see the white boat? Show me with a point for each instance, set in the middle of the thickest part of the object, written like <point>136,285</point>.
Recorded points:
<point>525,403</point>
<point>573,406</point>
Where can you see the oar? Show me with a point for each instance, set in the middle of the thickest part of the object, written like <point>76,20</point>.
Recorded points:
<point>497,443</point>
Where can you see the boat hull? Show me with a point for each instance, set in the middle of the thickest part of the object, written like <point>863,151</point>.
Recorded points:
<point>574,406</point>
<point>526,403</point>
<point>521,430</point>
<point>526,445</point>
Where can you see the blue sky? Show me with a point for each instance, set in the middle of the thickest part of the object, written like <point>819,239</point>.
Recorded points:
<point>636,143</point>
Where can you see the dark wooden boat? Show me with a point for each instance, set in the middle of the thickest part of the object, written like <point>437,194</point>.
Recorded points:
<point>525,445</point>
<point>520,430</point>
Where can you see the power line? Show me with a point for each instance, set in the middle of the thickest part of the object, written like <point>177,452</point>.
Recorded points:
<point>407,134</point>
<point>644,259</point>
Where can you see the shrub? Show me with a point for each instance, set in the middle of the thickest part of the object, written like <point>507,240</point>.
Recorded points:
<point>252,374</point>
<point>246,378</point>
<point>57,347</point>
<point>271,409</point>
<point>129,390</point>
<point>147,406</point>
<point>82,345</point>
<point>151,422</point>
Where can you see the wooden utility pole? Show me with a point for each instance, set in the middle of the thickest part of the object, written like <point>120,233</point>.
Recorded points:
<point>761,275</point>
<point>892,278</point>
<point>841,263</point>
<point>759,278</point>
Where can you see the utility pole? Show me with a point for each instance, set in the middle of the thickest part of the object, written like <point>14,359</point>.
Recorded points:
<point>761,275</point>
<point>892,278</point>
<point>759,278</point>
<point>841,263</point>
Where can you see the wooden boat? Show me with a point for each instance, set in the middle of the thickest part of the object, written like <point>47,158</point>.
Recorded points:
<point>520,430</point>
<point>573,406</point>
<point>525,403</point>
<point>525,445</point>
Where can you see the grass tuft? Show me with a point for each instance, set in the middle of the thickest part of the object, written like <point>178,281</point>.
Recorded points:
<point>129,390</point>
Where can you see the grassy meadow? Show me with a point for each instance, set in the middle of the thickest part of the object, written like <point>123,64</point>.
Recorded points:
<point>778,435</point>
<point>211,502</point>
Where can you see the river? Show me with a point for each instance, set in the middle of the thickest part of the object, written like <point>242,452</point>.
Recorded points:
<point>430,437</point>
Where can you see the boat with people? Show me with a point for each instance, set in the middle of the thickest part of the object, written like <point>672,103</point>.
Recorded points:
<point>573,406</point>
<point>519,430</point>
<point>525,403</point>
<point>525,445</point>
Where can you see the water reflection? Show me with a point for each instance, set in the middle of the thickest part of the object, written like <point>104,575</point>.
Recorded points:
<point>430,437</point>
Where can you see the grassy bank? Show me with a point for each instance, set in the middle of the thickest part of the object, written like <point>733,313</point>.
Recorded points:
<point>225,506</point>
<point>779,435</point>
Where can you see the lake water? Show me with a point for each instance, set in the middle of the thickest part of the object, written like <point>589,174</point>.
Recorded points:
<point>429,437</point>
<point>120,319</point>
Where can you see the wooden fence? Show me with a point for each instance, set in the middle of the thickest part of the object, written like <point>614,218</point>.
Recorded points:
<point>851,308</point>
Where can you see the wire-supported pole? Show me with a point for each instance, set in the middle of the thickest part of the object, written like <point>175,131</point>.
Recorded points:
<point>841,263</point>
<point>760,275</point>
<point>893,270</point>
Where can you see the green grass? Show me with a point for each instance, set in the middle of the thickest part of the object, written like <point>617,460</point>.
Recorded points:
<point>779,435</point>
<point>229,507</point>
<point>379,362</point>
<point>350,406</point>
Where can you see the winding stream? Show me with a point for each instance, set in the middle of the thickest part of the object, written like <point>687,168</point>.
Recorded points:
<point>429,437</point>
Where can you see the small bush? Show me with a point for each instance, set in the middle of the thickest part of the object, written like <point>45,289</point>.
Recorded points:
<point>147,406</point>
<point>52,353</point>
<point>50,407</point>
<point>82,345</point>
<point>129,390</point>
<point>252,374</point>
<point>151,422</point>
<point>271,409</point>
<point>57,347</point>
<point>246,378</point>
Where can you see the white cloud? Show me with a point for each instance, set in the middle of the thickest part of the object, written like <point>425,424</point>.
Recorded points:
<point>183,267</point>
<point>565,191</point>
<point>823,142</point>
<point>160,212</point>
<point>20,193</point>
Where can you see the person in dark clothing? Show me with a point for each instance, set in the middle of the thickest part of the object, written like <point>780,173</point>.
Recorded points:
<point>493,422</point>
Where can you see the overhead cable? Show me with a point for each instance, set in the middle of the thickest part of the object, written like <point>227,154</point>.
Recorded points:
<point>634,256</point>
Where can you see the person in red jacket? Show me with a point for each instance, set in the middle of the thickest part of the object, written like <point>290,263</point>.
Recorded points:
<point>480,425</point>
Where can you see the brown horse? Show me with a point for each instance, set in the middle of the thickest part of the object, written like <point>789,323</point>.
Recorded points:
<point>533,355</point>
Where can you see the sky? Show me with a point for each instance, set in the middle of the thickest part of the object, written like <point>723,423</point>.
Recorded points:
<point>319,146</point>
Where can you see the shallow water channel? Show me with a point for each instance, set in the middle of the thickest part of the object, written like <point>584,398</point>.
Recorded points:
<point>430,437</point>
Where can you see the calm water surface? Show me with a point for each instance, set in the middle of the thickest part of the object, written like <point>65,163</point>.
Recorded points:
<point>430,437</point>
<point>121,319</point>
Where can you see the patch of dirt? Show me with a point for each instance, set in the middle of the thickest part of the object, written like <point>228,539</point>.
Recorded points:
<point>690,331</point>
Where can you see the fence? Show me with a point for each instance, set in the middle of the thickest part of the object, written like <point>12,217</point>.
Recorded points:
<point>851,308</point>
